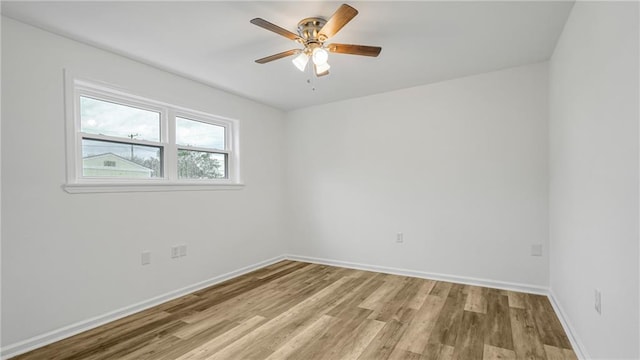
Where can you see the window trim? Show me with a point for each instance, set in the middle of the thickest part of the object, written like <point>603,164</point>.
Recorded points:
<point>76,183</point>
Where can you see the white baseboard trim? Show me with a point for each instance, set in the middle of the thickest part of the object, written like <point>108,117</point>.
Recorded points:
<point>81,326</point>
<point>576,343</point>
<point>533,289</point>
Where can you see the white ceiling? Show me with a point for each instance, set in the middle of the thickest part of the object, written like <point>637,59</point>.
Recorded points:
<point>214,43</point>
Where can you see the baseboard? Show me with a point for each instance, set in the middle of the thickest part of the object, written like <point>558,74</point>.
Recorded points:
<point>532,289</point>
<point>81,326</point>
<point>576,343</point>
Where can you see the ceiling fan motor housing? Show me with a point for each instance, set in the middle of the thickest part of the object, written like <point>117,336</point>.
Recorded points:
<point>309,30</point>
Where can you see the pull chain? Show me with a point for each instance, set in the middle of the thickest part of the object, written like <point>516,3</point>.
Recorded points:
<point>311,80</point>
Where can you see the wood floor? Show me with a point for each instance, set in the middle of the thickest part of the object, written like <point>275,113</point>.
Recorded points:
<point>294,310</point>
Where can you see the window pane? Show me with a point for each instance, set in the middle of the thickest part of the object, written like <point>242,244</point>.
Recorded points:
<point>199,134</point>
<point>120,160</point>
<point>111,119</point>
<point>201,165</point>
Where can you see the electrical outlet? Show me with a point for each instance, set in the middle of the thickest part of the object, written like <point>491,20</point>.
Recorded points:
<point>145,258</point>
<point>175,252</point>
<point>536,250</point>
<point>399,237</point>
<point>183,250</point>
<point>598,301</point>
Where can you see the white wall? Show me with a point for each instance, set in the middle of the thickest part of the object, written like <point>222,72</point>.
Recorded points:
<point>460,167</point>
<point>66,258</point>
<point>594,176</point>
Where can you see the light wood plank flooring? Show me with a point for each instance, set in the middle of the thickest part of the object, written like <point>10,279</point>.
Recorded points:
<point>294,310</point>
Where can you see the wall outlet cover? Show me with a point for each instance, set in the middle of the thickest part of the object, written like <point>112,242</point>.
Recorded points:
<point>145,258</point>
<point>175,252</point>
<point>536,250</point>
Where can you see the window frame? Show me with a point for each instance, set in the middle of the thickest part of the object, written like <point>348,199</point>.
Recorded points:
<point>77,183</point>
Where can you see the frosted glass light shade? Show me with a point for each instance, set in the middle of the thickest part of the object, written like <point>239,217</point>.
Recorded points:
<point>301,61</point>
<point>322,68</point>
<point>320,56</point>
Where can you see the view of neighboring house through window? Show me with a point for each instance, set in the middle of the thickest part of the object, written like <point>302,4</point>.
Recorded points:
<point>114,140</point>
<point>122,137</point>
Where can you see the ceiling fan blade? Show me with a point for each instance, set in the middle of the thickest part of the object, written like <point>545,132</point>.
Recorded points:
<point>275,28</point>
<point>354,49</point>
<point>339,19</point>
<point>315,69</point>
<point>277,56</point>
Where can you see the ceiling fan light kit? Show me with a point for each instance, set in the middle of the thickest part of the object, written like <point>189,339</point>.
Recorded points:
<point>312,34</point>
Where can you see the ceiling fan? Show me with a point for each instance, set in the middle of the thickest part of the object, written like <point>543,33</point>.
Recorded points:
<point>312,33</point>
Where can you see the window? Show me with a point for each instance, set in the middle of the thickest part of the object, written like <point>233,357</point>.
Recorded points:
<point>122,142</point>
<point>118,133</point>
<point>199,146</point>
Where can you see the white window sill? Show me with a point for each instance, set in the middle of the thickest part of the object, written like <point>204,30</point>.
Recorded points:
<point>122,188</point>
